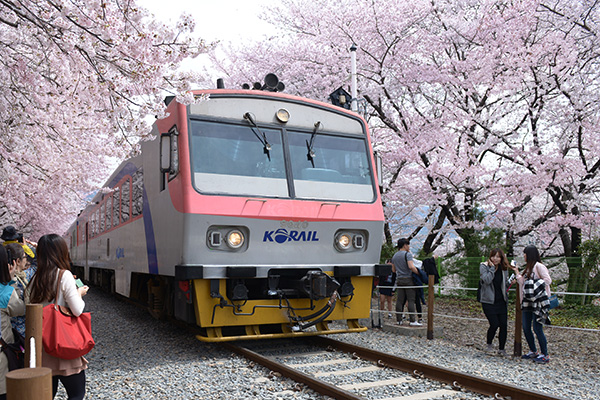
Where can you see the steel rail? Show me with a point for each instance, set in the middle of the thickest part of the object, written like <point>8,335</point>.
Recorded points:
<point>316,384</point>
<point>458,380</point>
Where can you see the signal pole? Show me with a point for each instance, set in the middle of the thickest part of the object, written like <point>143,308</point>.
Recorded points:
<point>353,84</point>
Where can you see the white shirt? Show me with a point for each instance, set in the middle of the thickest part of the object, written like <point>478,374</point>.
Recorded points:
<point>68,295</point>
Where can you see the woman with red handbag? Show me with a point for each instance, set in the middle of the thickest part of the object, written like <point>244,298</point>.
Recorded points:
<point>54,262</point>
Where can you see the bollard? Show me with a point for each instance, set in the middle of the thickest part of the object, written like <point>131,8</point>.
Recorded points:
<point>33,328</point>
<point>430,308</point>
<point>29,384</point>
<point>518,348</point>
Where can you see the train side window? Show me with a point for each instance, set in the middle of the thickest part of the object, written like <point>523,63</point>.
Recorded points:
<point>91,233</point>
<point>108,211</point>
<point>125,190</point>
<point>116,206</point>
<point>102,217</point>
<point>137,195</point>
<point>95,221</point>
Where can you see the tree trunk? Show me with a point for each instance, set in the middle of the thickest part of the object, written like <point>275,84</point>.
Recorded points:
<point>473,255</point>
<point>577,276</point>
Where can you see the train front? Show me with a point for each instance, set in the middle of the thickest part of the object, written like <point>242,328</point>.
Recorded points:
<point>281,217</point>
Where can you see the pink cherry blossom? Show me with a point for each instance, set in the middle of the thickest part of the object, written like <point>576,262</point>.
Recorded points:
<point>78,79</point>
<point>480,105</point>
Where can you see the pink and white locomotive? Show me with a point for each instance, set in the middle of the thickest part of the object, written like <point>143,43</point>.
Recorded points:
<point>256,215</point>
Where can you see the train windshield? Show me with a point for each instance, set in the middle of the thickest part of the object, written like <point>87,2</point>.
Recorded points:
<point>231,159</point>
<point>332,168</point>
<point>235,159</point>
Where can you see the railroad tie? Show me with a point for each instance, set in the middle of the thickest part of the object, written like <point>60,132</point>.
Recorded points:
<point>347,371</point>
<point>367,385</point>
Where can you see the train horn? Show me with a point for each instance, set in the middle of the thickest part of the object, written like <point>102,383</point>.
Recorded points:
<point>272,84</point>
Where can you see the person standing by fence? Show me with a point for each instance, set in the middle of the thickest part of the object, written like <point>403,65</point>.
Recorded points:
<point>403,262</point>
<point>493,298</point>
<point>386,294</point>
<point>534,285</point>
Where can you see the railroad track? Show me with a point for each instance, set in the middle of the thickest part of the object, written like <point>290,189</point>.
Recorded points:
<point>345,371</point>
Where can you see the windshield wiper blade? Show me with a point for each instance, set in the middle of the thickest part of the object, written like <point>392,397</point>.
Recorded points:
<point>263,139</point>
<point>310,155</point>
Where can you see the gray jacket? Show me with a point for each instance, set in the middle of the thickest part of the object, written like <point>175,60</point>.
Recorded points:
<point>487,286</point>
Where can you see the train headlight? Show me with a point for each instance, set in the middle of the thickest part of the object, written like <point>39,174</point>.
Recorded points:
<point>235,239</point>
<point>351,240</point>
<point>343,241</point>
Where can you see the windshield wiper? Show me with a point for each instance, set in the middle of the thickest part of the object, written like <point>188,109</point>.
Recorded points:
<point>310,155</point>
<point>263,139</point>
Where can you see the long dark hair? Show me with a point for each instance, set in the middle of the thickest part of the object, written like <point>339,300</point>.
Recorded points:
<point>532,256</point>
<point>4,273</point>
<point>52,255</point>
<point>503,260</point>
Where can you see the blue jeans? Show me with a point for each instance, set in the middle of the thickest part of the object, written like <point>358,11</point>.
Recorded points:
<point>528,319</point>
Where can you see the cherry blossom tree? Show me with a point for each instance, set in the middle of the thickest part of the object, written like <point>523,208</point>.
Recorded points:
<point>485,110</point>
<point>78,78</point>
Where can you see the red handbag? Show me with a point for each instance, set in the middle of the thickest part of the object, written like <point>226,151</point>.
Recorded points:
<point>64,335</point>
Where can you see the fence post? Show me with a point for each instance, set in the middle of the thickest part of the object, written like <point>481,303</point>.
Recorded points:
<point>518,348</point>
<point>31,383</point>
<point>33,329</point>
<point>430,308</point>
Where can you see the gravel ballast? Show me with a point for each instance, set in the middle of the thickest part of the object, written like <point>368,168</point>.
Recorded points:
<point>138,357</point>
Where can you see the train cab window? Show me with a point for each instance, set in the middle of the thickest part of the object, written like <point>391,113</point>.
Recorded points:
<point>116,205</point>
<point>125,191</point>
<point>137,200</point>
<point>335,168</point>
<point>237,159</point>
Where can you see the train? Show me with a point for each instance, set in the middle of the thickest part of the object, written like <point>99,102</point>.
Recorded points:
<point>253,214</point>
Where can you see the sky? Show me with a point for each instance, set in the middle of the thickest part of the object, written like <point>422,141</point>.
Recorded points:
<point>226,20</point>
<point>221,20</point>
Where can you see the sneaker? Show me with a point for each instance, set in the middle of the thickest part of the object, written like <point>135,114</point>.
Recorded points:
<point>489,348</point>
<point>542,359</point>
<point>415,323</point>
<point>530,356</point>
<point>390,315</point>
<point>398,322</point>
<point>420,321</point>
<point>502,353</point>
